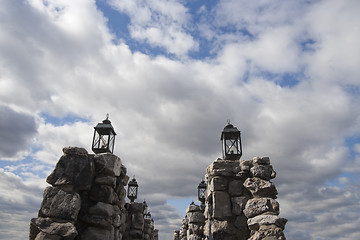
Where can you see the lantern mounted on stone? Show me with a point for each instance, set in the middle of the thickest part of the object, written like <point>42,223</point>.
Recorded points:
<point>147,215</point>
<point>104,137</point>
<point>202,191</point>
<point>132,189</point>
<point>231,142</point>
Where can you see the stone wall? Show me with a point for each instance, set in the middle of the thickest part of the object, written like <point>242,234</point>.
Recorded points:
<point>86,200</point>
<point>196,222</point>
<point>240,202</point>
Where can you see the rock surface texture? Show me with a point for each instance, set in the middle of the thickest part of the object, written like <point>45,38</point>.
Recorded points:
<point>86,201</point>
<point>240,203</point>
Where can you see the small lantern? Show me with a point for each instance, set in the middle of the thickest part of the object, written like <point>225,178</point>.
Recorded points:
<point>231,142</point>
<point>104,137</point>
<point>202,191</point>
<point>145,207</point>
<point>132,189</point>
<point>147,216</point>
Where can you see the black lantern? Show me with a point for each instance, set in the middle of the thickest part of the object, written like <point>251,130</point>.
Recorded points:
<point>104,137</point>
<point>231,142</point>
<point>147,216</point>
<point>202,191</point>
<point>145,207</point>
<point>132,189</point>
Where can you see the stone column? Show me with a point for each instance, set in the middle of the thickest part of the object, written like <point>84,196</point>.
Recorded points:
<point>262,209</point>
<point>135,221</point>
<point>196,222</point>
<point>225,201</point>
<point>86,199</point>
<point>184,228</point>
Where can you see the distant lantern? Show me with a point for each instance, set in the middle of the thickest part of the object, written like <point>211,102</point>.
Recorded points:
<point>231,142</point>
<point>202,191</point>
<point>104,137</point>
<point>132,189</point>
<point>147,215</point>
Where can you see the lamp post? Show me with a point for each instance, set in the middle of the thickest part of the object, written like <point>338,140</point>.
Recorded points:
<point>104,137</point>
<point>132,190</point>
<point>231,142</point>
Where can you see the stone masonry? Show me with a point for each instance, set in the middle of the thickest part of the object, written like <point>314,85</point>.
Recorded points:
<point>240,202</point>
<point>86,200</point>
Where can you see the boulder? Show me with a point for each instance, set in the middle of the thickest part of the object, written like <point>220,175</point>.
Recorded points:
<point>223,168</point>
<point>260,188</point>
<point>265,172</point>
<point>268,232</point>
<point>218,184</point>
<point>64,229</point>
<point>196,217</point>
<point>103,193</point>
<point>60,204</point>
<point>257,206</point>
<point>73,170</point>
<point>238,204</point>
<point>94,233</point>
<point>107,164</point>
<point>75,151</point>
<point>261,161</point>
<point>236,188</point>
<point>101,208</point>
<point>46,236</point>
<point>221,205</point>
<point>260,220</point>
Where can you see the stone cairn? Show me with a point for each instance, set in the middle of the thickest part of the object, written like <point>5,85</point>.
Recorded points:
<point>240,203</point>
<point>86,201</point>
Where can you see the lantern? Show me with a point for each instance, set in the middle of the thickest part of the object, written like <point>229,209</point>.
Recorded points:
<point>132,189</point>
<point>104,137</point>
<point>147,216</point>
<point>202,191</point>
<point>231,142</point>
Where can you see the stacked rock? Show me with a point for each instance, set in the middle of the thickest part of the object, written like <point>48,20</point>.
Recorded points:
<point>196,222</point>
<point>184,228</point>
<point>86,199</point>
<point>262,209</point>
<point>135,221</point>
<point>226,198</point>
<point>177,235</point>
<point>148,229</point>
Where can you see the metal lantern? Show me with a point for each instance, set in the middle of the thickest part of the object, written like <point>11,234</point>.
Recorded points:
<point>231,142</point>
<point>145,207</point>
<point>147,215</point>
<point>202,191</point>
<point>132,190</point>
<point>104,137</point>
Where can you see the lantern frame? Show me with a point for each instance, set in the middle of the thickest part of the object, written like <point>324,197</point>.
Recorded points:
<point>104,137</point>
<point>132,191</point>
<point>147,216</point>
<point>202,191</point>
<point>231,142</point>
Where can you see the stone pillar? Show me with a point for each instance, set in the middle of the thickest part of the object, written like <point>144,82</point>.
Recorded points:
<point>177,235</point>
<point>135,221</point>
<point>262,209</point>
<point>86,199</point>
<point>226,199</point>
<point>184,228</point>
<point>196,222</point>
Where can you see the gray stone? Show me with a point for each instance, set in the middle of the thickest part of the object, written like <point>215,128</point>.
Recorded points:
<point>224,168</point>
<point>107,164</point>
<point>257,206</point>
<point>60,228</point>
<point>261,161</point>
<point>236,188</point>
<point>94,233</point>
<point>268,232</point>
<point>238,204</point>
<point>74,170</point>
<point>218,184</point>
<point>265,172</point>
<point>76,151</point>
<point>103,193</point>
<point>106,180</point>
<point>221,205</point>
<point>196,217</point>
<point>60,204</point>
<point>46,236</point>
<point>193,208</point>
<point>260,188</point>
<point>101,208</point>
<point>257,221</point>
<point>99,221</point>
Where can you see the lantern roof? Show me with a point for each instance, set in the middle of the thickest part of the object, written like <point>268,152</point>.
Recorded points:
<point>105,125</point>
<point>229,129</point>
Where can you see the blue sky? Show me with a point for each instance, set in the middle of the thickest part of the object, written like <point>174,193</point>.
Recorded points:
<point>170,73</point>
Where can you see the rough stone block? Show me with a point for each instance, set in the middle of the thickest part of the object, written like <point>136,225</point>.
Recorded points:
<point>73,170</point>
<point>257,206</point>
<point>261,161</point>
<point>193,208</point>
<point>76,151</point>
<point>196,217</point>
<point>224,168</point>
<point>260,220</point>
<point>60,204</point>
<point>99,221</point>
<point>238,204</point>
<point>94,233</point>
<point>46,236</point>
<point>107,164</point>
<point>265,172</point>
<point>260,188</point>
<point>221,205</point>
<point>62,228</point>
<point>218,184</point>
<point>103,193</point>
<point>268,232</point>
<point>236,188</point>
<point>101,208</point>
<point>106,180</point>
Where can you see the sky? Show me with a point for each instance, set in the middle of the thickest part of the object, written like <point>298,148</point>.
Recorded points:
<point>170,73</point>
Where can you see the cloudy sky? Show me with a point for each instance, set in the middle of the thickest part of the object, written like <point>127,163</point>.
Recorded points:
<point>170,73</point>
